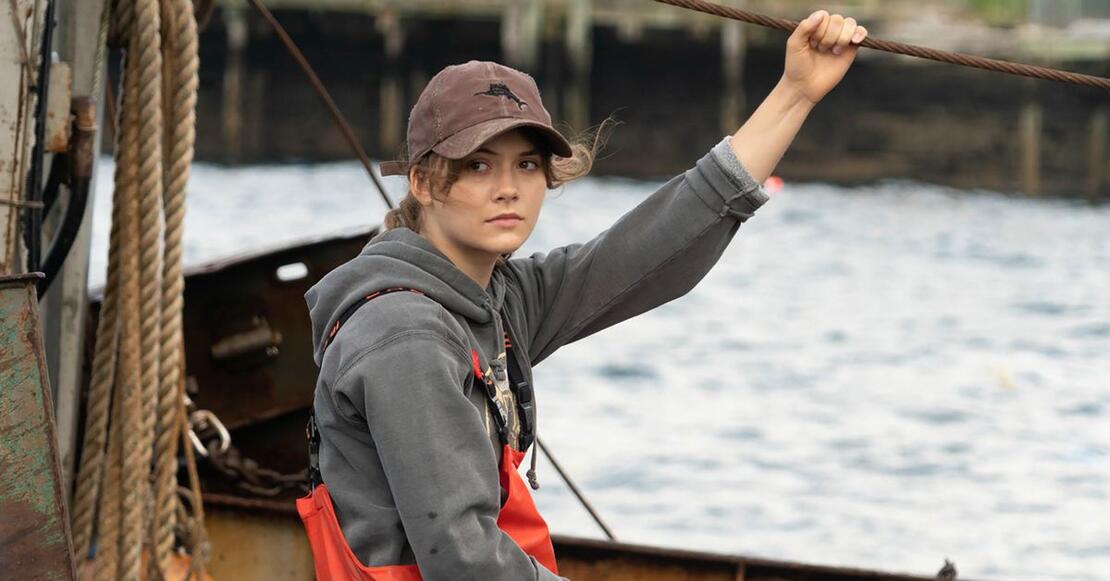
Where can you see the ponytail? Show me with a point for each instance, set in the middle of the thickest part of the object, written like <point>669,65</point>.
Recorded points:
<point>407,214</point>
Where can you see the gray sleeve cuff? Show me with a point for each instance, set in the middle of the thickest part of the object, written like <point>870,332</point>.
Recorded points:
<point>723,154</point>
<point>743,194</point>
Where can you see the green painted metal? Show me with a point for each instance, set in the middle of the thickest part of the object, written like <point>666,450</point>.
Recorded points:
<point>35,541</point>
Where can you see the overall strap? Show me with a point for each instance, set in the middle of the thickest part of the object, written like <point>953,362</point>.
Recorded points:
<point>518,385</point>
<point>346,314</point>
<point>311,431</point>
<point>313,436</point>
<point>525,398</point>
<point>497,410</point>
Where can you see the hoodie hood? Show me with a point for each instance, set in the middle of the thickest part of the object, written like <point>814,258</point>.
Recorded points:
<point>400,258</point>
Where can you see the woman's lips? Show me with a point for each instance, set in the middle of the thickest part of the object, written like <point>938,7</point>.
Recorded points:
<point>505,221</point>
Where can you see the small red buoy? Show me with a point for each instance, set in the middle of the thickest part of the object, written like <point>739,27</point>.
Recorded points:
<point>774,184</point>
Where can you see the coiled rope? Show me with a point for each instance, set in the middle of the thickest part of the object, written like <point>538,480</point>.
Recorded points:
<point>133,416</point>
<point>943,56</point>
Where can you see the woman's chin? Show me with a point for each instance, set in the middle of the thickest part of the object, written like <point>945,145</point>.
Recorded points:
<point>505,244</point>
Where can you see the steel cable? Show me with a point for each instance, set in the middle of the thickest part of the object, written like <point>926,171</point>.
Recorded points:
<point>340,121</point>
<point>943,56</point>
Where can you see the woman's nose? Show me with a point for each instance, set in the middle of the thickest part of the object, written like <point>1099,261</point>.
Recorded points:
<point>507,187</point>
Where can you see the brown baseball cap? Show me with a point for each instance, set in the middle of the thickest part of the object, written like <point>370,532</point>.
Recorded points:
<point>465,105</point>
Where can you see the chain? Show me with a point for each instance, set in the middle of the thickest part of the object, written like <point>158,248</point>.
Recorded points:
<point>212,440</point>
<point>251,477</point>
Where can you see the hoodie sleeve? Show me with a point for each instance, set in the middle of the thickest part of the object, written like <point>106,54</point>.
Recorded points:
<point>655,253</point>
<point>432,444</point>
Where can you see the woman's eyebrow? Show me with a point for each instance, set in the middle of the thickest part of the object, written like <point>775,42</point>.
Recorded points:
<point>521,154</point>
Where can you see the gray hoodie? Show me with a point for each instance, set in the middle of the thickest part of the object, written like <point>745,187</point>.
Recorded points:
<point>407,450</point>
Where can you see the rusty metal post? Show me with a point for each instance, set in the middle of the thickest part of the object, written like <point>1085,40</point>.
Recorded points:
<point>35,540</point>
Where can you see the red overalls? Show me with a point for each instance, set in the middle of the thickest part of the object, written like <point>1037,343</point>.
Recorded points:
<point>334,559</point>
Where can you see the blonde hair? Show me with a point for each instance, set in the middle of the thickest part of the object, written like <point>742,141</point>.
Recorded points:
<point>442,173</point>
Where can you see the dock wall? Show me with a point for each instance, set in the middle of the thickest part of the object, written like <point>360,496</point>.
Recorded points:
<point>676,88</point>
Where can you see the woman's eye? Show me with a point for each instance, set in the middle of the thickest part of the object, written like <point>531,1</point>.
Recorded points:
<point>478,166</point>
<point>529,164</point>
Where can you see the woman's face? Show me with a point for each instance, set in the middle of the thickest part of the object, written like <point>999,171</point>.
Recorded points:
<point>504,176</point>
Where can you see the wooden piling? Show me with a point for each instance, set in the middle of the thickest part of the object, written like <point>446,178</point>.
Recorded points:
<point>521,27</point>
<point>630,28</point>
<point>254,117</point>
<point>1031,122</point>
<point>391,108</point>
<point>733,49</point>
<point>579,32</point>
<point>1097,160</point>
<point>552,69</point>
<point>235,23</point>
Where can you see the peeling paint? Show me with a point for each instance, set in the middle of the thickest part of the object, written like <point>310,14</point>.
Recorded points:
<point>58,116</point>
<point>16,104</point>
<point>34,531</point>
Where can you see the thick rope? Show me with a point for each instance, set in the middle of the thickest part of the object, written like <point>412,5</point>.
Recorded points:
<point>90,470</point>
<point>105,360</point>
<point>136,453</point>
<point>148,24</point>
<point>905,49</point>
<point>113,501</point>
<point>196,533</point>
<point>136,384</point>
<point>108,519</point>
<point>108,367</point>
<point>101,49</point>
<point>180,92</point>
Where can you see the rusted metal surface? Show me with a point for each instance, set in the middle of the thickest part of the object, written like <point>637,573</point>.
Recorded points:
<point>58,125</point>
<point>240,526</point>
<point>228,303</point>
<point>248,338</point>
<point>598,559</point>
<point>18,32</point>
<point>249,545</point>
<point>65,305</point>
<point>34,528</point>
<point>248,348</point>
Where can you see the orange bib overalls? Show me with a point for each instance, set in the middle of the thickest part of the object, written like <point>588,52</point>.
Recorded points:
<point>518,517</point>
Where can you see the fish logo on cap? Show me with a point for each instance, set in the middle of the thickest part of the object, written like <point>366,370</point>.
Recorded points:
<point>500,90</point>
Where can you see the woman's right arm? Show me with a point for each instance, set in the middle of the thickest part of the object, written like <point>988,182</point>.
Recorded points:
<point>654,253</point>
<point>434,449</point>
<point>661,248</point>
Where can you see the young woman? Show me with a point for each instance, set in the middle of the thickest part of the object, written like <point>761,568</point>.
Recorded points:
<point>427,339</point>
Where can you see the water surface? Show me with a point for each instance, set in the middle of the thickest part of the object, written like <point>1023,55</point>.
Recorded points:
<point>880,377</point>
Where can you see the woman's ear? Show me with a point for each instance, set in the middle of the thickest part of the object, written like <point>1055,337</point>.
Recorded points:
<point>418,185</point>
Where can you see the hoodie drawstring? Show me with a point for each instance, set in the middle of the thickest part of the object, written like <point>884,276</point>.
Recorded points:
<point>532,481</point>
